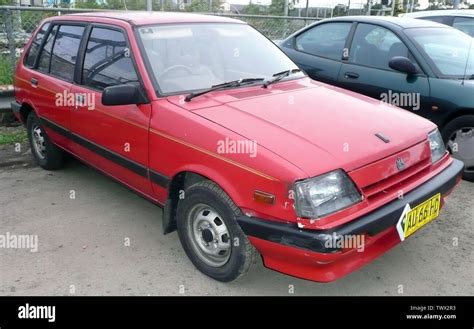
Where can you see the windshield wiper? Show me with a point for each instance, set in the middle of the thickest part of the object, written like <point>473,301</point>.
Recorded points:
<point>230,84</point>
<point>280,75</point>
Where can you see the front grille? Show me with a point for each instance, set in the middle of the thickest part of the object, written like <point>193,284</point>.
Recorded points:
<point>382,179</point>
<point>396,182</point>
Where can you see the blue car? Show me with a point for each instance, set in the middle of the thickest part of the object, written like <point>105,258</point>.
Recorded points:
<point>418,65</point>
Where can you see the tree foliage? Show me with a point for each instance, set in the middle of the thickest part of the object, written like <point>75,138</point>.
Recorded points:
<point>89,4</point>
<point>203,6</point>
<point>252,9</point>
<point>277,8</point>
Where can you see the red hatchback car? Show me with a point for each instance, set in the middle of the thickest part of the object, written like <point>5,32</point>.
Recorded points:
<point>206,117</point>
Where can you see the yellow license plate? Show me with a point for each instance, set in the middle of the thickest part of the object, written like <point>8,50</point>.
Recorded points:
<point>421,215</point>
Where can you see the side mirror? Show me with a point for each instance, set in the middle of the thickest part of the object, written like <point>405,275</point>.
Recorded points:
<point>123,95</point>
<point>402,64</point>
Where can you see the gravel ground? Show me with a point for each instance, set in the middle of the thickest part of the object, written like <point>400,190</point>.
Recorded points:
<point>108,241</point>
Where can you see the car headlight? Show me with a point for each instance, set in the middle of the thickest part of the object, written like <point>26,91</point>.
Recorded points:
<point>325,194</point>
<point>436,145</point>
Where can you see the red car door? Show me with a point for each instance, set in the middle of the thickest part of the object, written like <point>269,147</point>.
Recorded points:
<point>112,138</point>
<point>52,77</point>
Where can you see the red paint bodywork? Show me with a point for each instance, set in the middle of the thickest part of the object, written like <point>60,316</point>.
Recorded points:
<point>302,128</point>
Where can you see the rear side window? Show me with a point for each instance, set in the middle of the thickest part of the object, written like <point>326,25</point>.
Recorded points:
<point>45,55</point>
<point>326,40</point>
<point>465,24</point>
<point>35,46</point>
<point>107,61</point>
<point>437,19</point>
<point>65,49</point>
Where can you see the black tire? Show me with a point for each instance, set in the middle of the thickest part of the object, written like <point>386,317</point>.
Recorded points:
<point>53,157</point>
<point>448,130</point>
<point>242,254</point>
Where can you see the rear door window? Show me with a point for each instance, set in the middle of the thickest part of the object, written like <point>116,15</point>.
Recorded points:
<point>35,45</point>
<point>325,40</point>
<point>45,55</point>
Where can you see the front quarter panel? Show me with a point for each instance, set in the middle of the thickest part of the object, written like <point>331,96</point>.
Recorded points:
<point>450,97</point>
<point>181,141</point>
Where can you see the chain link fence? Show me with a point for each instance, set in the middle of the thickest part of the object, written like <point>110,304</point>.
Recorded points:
<point>18,23</point>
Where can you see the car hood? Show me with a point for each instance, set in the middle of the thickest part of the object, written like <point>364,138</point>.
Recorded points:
<point>315,126</point>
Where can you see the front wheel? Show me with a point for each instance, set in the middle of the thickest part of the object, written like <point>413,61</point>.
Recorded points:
<point>210,235</point>
<point>458,135</point>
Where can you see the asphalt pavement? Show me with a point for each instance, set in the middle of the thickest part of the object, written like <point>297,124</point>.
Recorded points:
<point>95,237</point>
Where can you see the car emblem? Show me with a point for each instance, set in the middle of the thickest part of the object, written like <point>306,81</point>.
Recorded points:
<point>400,164</point>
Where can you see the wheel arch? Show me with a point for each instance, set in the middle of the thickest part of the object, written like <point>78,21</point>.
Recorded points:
<point>25,109</point>
<point>457,114</point>
<point>182,180</point>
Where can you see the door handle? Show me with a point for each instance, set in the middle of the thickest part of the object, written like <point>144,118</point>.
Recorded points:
<point>351,75</point>
<point>34,82</point>
<point>80,101</point>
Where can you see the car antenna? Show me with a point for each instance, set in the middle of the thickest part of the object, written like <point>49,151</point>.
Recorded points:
<point>467,62</point>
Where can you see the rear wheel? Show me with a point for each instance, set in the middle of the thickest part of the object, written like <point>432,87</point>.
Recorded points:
<point>210,235</point>
<point>46,154</point>
<point>458,135</point>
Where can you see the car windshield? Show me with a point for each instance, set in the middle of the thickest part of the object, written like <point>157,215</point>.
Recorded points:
<point>190,57</point>
<point>448,50</point>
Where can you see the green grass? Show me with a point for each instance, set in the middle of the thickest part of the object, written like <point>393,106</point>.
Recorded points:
<point>14,137</point>
<point>6,76</point>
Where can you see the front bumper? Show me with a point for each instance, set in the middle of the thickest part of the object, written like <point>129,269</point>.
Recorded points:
<point>304,253</point>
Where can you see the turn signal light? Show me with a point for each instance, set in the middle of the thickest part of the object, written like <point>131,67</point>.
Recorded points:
<point>263,197</point>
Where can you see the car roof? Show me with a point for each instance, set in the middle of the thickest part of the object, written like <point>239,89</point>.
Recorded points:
<point>387,21</point>
<point>147,18</point>
<point>450,12</point>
